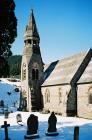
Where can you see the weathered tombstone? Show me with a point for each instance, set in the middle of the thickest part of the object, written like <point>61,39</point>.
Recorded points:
<point>19,118</point>
<point>32,127</point>
<point>2,103</point>
<point>6,113</point>
<point>2,106</point>
<point>5,126</point>
<point>52,130</point>
<point>76,133</point>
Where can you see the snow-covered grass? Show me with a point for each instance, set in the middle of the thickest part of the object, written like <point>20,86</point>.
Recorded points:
<point>12,98</point>
<point>11,81</point>
<point>65,125</point>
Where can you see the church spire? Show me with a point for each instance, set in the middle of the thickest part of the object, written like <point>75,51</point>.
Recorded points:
<point>31,33</point>
<point>32,67</point>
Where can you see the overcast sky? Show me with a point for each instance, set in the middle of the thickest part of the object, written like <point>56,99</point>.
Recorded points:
<point>65,26</point>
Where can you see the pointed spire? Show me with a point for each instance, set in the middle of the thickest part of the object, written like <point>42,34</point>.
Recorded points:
<point>31,29</point>
<point>31,19</point>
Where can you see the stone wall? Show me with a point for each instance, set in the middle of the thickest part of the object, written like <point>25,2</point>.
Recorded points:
<point>84,107</point>
<point>57,102</point>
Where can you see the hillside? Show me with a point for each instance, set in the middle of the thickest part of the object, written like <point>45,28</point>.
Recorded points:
<point>8,93</point>
<point>15,65</point>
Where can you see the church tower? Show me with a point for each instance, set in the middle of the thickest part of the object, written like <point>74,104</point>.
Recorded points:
<point>31,68</point>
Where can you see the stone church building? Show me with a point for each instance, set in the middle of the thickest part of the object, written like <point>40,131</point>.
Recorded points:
<point>63,86</point>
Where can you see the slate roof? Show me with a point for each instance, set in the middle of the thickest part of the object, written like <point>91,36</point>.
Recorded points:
<point>63,71</point>
<point>87,75</point>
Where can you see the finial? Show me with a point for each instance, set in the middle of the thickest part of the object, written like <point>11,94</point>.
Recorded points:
<point>31,11</point>
<point>31,14</point>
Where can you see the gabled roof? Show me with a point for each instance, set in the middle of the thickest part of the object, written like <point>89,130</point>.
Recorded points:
<point>64,70</point>
<point>87,75</point>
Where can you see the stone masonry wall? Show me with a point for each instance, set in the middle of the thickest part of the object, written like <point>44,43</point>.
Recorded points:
<point>84,107</point>
<point>56,103</point>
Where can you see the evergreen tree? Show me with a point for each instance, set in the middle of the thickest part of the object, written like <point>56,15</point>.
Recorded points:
<point>8,26</point>
<point>14,63</point>
<point>4,67</point>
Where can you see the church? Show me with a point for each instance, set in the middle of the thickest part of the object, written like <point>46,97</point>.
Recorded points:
<point>63,86</point>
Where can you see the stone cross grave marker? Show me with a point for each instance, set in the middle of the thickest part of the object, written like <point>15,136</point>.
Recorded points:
<point>5,126</point>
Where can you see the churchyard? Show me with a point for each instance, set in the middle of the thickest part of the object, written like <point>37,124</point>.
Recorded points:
<point>17,127</point>
<point>65,127</point>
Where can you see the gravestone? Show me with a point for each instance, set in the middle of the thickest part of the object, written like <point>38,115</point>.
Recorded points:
<point>76,133</point>
<point>6,113</point>
<point>32,127</point>
<point>19,119</point>
<point>5,126</point>
<point>52,130</point>
<point>1,103</point>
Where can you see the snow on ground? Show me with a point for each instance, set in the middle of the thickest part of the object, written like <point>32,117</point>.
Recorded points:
<point>9,81</point>
<point>5,87</point>
<point>65,127</point>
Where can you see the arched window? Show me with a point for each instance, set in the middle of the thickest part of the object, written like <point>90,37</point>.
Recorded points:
<point>34,42</point>
<point>35,74</point>
<point>90,95</point>
<point>47,96</point>
<point>60,95</point>
<point>28,42</point>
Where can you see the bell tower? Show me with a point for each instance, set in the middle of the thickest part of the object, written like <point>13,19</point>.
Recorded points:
<point>31,68</point>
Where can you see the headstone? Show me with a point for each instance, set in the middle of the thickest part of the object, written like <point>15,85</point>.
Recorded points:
<point>5,126</point>
<point>6,113</point>
<point>19,118</point>
<point>1,103</point>
<point>76,133</point>
<point>52,130</point>
<point>32,127</point>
